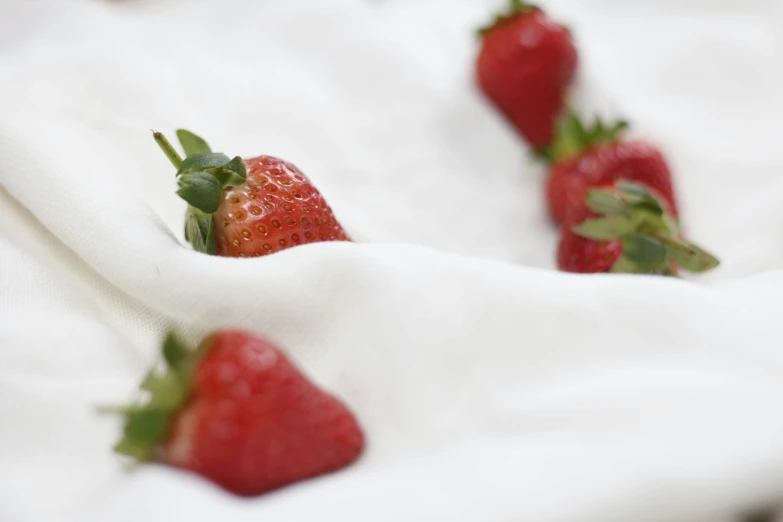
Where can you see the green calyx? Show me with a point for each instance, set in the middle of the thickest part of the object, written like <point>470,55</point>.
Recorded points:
<point>572,137</point>
<point>516,7</point>
<point>202,177</point>
<point>147,422</point>
<point>649,236</point>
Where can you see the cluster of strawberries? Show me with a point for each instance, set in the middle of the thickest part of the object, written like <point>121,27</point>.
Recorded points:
<point>613,198</point>
<point>236,410</point>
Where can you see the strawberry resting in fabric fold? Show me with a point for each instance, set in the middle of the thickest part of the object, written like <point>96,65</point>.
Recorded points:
<point>247,208</point>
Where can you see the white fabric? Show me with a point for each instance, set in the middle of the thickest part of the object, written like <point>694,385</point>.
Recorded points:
<point>491,388</point>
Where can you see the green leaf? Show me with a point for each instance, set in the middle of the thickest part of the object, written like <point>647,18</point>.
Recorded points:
<point>689,256</point>
<point>606,228</point>
<point>205,161</point>
<point>638,196</point>
<point>238,167</point>
<point>571,137</point>
<point>601,133</point>
<point>623,265</point>
<point>632,188</point>
<point>191,143</point>
<point>135,449</point>
<point>174,351</point>
<point>650,223</point>
<point>202,190</point>
<point>515,7</point>
<point>672,225</point>
<point>645,251</point>
<point>605,202</point>
<point>210,247</point>
<point>167,390</point>
<point>703,261</point>
<point>598,126</point>
<point>150,382</point>
<point>233,173</point>
<point>200,231</point>
<point>227,178</point>
<point>145,427</point>
<point>205,225</point>
<point>618,127</point>
<point>203,220</point>
<point>193,232</point>
<point>544,154</point>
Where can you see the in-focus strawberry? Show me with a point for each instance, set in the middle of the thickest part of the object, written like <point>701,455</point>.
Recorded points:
<point>525,67</point>
<point>239,413</point>
<point>589,157</point>
<point>625,228</point>
<point>247,208</point>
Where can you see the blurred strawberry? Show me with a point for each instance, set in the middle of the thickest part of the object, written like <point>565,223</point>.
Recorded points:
<point>526,65</point>
<point>237,412</point>
<point>625,228</point>
<point>588,157</point>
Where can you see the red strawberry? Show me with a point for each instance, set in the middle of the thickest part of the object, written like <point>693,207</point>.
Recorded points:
<point>239,413</point>
<point>585,158</point>
<point>525,66</point>
<point>247,208</point>
<point>625,228</point>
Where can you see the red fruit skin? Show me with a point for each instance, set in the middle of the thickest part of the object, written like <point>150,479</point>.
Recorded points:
<point>275,209</point>
<point>525,66</point>
<point>586,256</point>
<point>635,161</point>
<point>254,423</point>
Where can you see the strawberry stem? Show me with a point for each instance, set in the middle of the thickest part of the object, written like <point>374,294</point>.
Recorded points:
<point>168,149</point>
<point>516,7</point>
<point>573,137</point>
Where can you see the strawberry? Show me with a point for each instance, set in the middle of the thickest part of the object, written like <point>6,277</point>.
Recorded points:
<point>595,156</point>
<point>247,208</point>
<point>236,411</point>
<point>625,228</point>
<point>525,67</point>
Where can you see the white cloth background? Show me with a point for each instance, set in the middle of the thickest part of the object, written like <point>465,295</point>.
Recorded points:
<point>491,388</point>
